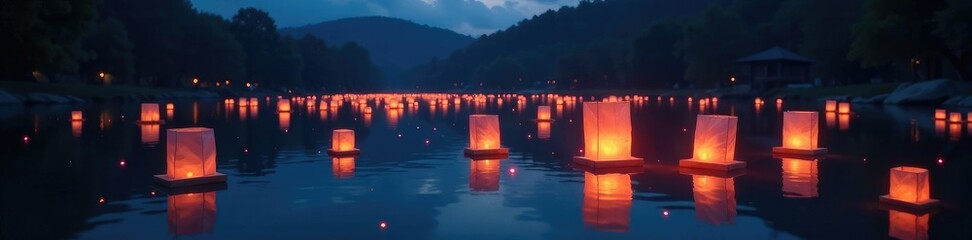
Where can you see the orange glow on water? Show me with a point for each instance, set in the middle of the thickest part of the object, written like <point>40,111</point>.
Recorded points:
<point>191,213</point>
<point>342,167</point>
<point>715,199</point>
<point>800,178</point>
<point>607,202</point>
<point>484,175</point>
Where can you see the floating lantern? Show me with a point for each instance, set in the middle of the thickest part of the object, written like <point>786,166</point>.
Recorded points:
<point>342,143</point>
<point>607,201</point>
<point>191,213</point>
<point>484,175</point>
<point>543,130</point>
<point>968,117</point>
<point>244,102</point>
<point>940,114</point>
<point>800,130</point>
<point>543,113</point>
<point>830,106</point>
<point>343,167</point>
<point>283,105</point>
<point>909,187</point>
<point>715,144</point>
<point>150,133</point>
<point>715,199</point>
<point>843,108</point>
<point>150,113</point>
<point>607,135</point>
<point>800,178</point>
<point>76,116</point>
<point>254,102</point>
<point>367,110</point>
<point>955,117</point>
<point>904,225</point>
<point>190,158</point>
<point>484,136</point>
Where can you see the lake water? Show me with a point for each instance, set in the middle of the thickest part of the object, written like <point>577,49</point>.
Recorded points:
<point>93,179</point>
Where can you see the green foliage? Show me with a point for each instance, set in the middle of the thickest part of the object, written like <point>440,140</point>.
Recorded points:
<point>654,62</point>
<point>109,50</point>
<point>711,44</point>
<point>42,35</point>
<point>317,63</point>
<point>270,58</point>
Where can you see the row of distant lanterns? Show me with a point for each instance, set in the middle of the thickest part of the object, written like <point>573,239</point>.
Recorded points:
<point>191,154</point>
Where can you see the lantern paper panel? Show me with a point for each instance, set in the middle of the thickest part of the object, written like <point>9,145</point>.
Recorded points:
<point>150,113</point>
<point>607,130</point>
<point>831,106</point>
<point>76,116</point>
<point>543,130</point>
<point>955,117</point>
<point>715,199</point>
<point>484,132</point>
<point>607,201</point>
<point>283,105</point>
<point>903,225</point>
<point>543,113</point>
<point>150,133</point>
<point>800,129</point>
<point>909,184</point>
<point>484,175</point>
<point>192,213</point>
<point>342,140</point>
<point>343,167</point>
<point>843,108</point>
<point>940,114</point>
<point>715,138</point>
<point>190,152</point>
<point>800,178</point>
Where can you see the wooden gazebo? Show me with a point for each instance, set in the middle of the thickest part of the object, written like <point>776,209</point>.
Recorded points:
<point>773,68</point>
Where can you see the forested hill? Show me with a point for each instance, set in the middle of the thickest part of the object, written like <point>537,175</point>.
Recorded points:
<point>646,43</point>
<point>391,41</point>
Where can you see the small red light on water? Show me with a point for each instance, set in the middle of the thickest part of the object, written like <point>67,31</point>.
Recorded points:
<point>383,225</point>
<point>941,161</point>
<point>26,138</point>
<point>121,163</point>
<point>426,141</point>
<point>512,170</point>
<point>153,193</point>
<point>246,150</point>
<point>101,200</point>
<point>665,213</point>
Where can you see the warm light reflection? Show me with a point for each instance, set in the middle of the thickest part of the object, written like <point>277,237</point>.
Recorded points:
<point>607,201</point>
<point>284,119</point>
<point>799,178</point>
<point>607,130</point>
<point>715,138</point>
<point>800,129</point>
<point>843,121</point>
<point>150,133</point>
<point>343,167</point>
<point>954,131</point>
<point>715,199</point>
<point>190,152</point>
<point>393,115</point>
<point>955,117</point>
<point>940,128</point>
<point>76,129</point>
<point>543,130</point>
<point>484,132</point>
<point>484,175</point>
<point>192,213</point>
<point>903,225</point>
<point>909,184</point>
<point>831,119</point>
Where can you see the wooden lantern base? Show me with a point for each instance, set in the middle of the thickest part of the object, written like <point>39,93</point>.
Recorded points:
<point>211,187</point>
<point>727,166</point>
<point>712,173</point>
<point>159,122</point>
<point>916,206</point>
<point>608,170</point>
<point>543,120</point>
<point>348,153</point>
<point>164,180</point>
<point>486,153</point>
<point>803,152</point>
<point>613,163</point>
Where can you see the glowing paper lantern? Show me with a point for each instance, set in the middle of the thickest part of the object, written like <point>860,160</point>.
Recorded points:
<point>830,106</point>
<point>190,158</point>
<point>342,143</point>
<point>607,201</point>
<point>904,225</point>
<point>76,116</point>
<point>543,130</point>
<point>940,114</point>
<point>543,113</point>
<point>800,178</point>
<point>283,105</point>
<point>715,199</point>
<point>343,167</point>
<point>843,108</point>
<point>800,130</point>
<point>607,135</point>
<point>715,144</point>
<point>484,136</point>
<point>367,110</point>
<point>150,113</point>
<point>191,213</point>
<point>484,175</point>
<point>909,187</point>
<point>954,117</point>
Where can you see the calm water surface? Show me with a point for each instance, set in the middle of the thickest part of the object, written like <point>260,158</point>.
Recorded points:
<point>93,179</point>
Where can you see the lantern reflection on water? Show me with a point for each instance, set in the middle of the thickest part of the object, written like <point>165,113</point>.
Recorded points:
<point>284,119</point>
<point>909,188</point>
<point>904,225</point>
<point>607,201</point>
<point>484,175</point>
<point>342,143</point>
<point>192,213</point>
<point>343,167</point>
<point>484,136</point>
<point>715,199</point>
<point>150,133</point>
<point>190,158</point>
<point>543,130</point>
<point>607,135</point>
<point>800,130</point>
<point>715,144</point>
<point>954,131</point>
<point>150,113</point>
<point>800,178</point>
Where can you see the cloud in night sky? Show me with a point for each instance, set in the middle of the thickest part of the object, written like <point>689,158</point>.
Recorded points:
<point>471,17</point>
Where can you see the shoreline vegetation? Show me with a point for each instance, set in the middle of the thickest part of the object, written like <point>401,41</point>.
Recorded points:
<point>32,93</point>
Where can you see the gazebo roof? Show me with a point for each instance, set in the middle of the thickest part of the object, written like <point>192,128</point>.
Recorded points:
<point>775,54</point>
